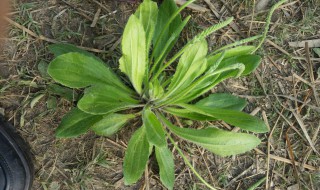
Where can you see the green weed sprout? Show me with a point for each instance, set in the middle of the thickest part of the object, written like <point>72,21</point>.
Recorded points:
<point>155,94</point>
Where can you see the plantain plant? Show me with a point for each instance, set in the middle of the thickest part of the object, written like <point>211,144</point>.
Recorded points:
<point>152,93</point>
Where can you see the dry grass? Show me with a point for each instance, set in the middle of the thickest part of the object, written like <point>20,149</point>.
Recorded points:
<point>284,91</point>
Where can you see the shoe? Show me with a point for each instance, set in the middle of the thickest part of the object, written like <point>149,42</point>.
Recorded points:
<point>16,168</point>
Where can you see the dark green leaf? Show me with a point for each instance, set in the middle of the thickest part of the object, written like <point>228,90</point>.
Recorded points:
<point>42,68</point>
<point>218,141</point>
<point>154,129</point>
<point>317,51</point>
<point>166,166</point>
<point>52,103</point>
<point>111,123</point>
<point>64,92</point>
<point>251,62</point>
<point>136,157</point>
<point>184,113</point>
<point>60,49</point>
<point>75,123</point>
<point>78,70</point>
<point>105,99</point>
<point>166,10</point>
<point>236,51</point>
<point>170,43</point>
<point>232,117</point>
<point>191,65</point>
<point>224,101</point>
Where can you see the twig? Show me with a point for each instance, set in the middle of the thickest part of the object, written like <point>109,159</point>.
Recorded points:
<point>268,149</point>
<point>315,94</point>
<point>304,130</point>
<point>79,11</point>
<point>205,162</point>
<point>285,160</point>
<point>278,47</point>
<point>101,5</point>
<point>292,157</point>
<point>146,177</point>
<point>190,165</point>
<point>232,24</point>
<point>240,175</point>
<point>43,38</point>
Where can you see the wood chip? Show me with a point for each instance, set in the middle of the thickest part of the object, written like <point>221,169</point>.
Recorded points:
<point>262,5</point>
<point>96,18</point>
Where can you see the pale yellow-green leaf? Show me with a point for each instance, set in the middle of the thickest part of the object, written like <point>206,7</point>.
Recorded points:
<point>147,14</point>
<point>133,62</point>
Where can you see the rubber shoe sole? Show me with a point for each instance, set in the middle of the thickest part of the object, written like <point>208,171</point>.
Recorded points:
<point>16,168</point>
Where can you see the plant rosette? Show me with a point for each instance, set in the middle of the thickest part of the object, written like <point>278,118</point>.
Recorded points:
<point>153,94</point>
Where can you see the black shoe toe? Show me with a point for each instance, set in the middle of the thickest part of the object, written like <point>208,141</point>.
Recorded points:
<point>16,169</point>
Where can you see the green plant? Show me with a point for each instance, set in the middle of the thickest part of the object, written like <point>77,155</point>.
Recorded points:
<point>109,103</point>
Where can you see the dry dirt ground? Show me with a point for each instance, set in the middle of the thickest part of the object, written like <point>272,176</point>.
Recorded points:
<point>284,91</point>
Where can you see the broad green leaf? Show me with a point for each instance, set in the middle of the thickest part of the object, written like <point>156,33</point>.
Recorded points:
<point>199,85</point>
<point>169,45</point>
<point>232,117</point>
<point>199,90</point>
<point>191,65</point>
<point>111,123</point>
<point>62,91</point>
<point>224,101</point>
<point>251,62</point>
<point>77,70</point>
<point>136,157</point>
<point>75,123</point>
<point>147,13</point>
<point>166,10</point>
<point>133,62</point>
<point>236,51</point>
<point>184,113</point>
<point>105,99</point>
<point>317,51</point>
<point>60,49</point>
<point>154,129</point>
<point>216,140</point>
<point>166,166</point>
